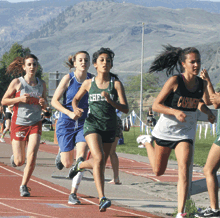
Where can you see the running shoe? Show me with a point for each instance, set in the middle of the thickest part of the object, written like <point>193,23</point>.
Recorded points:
<point>12,161</point>
<point>73,199</point>
<point>58,162</point>
<point>208,212</point>
<point>144,138</point>
<point>75,169</point>
<point>103,204</point>
<point>181,215</point>
<point>2,140</point>
<point>24,191</point>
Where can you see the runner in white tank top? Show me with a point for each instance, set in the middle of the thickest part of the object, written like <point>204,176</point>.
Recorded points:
<point>28,95</point>
<point>177,102</point>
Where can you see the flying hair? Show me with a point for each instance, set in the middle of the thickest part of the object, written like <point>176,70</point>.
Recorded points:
<point>16,66</point>
<point>171,59</point>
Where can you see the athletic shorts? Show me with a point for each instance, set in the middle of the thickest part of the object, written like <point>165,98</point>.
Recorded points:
<point>8,115</point>
<point>119,128</point>
<point>107,136</point>
<point>68,135</point>
<point>217,140</point>
<point>171,144</point>
<point>22,133</point>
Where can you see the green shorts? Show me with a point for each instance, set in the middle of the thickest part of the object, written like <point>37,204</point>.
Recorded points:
<point>107,136</point>
<point>217,140</point>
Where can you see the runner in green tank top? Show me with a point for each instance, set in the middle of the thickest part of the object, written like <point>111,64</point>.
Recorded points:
<point>100,125</point>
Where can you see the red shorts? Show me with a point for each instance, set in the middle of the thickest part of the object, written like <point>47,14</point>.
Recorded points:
<point>21,133</point>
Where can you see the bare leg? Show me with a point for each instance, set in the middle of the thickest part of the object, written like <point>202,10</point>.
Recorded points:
<point>100,154</point>
<point>211,167</point>
<point>32,149</point>
<point>158,157</point>
<point>183,153</point>
<point>67,158</point>
<point>114,161</point>
<point>7,127</point>
<point>18,148</point>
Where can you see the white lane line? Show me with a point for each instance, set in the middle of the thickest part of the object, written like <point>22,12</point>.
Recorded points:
<point>91,202</point>
<point>24,211</point>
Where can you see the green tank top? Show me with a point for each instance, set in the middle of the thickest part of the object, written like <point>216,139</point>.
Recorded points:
<point>101,115</point>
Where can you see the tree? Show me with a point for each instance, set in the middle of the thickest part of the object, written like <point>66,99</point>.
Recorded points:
<point>15,51</point>
<point>150,82</point>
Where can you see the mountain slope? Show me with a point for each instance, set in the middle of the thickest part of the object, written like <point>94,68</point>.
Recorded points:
<point>91,25</point>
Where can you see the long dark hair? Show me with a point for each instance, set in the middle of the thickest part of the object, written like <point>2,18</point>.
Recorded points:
<point>171,59</point>
<point>111,55</point>
<point>16,66</point>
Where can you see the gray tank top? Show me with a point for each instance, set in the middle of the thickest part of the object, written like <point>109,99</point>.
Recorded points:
<point>26,114</point>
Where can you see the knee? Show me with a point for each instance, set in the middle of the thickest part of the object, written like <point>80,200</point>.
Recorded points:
<point>67,164</point>
<point>208,171</point>
<point>19,161</point>
<point>99,160</point>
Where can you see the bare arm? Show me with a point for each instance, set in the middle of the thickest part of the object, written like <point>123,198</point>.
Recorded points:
<point>123,105</point>
<point>209,90</point>
<point>43,100</point>
<point>203,108</point>
<point>9,99</point>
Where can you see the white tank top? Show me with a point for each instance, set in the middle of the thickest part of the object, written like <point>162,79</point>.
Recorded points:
<point>170,129</point>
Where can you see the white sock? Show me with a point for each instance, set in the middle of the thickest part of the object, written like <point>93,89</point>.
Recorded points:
<point>77,179</point>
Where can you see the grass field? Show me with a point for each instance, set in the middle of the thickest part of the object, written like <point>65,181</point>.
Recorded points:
<point>130,146</point>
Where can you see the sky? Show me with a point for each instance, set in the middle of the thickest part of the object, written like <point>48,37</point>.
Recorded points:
<point>14,1</point>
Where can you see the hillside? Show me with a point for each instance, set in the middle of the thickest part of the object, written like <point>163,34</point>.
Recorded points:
<point>91,25</point>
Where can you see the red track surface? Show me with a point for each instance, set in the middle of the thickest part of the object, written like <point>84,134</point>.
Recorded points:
<point>49,200</point>
<point>136,168</point>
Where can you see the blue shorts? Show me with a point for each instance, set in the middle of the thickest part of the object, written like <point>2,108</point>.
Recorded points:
<point>68,135</point>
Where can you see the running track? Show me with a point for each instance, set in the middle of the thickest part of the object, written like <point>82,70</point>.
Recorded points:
<point>50,200</point>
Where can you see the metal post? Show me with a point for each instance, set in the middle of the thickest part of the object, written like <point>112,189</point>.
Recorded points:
<point>57,79</point>
<point>142,62</point>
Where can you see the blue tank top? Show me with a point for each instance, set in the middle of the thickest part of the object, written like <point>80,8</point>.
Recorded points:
<point>69,94</point>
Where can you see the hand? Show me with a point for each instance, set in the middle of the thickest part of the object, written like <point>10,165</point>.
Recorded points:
<point>42,101</point>
<point>106,95</point>
<point>215,98</point>
<point>211,117</point>
<point>180,115</point>
<point>72,115</point>
<point>78,112</point>
<point>204,75</point>
<point>25,98</point>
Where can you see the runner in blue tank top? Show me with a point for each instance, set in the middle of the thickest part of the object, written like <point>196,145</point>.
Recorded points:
<point>100,125</point>
<point>69,127</point>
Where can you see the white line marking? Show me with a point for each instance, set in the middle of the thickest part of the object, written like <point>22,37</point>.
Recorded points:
<point>24,211</point>
<point>91,202</point>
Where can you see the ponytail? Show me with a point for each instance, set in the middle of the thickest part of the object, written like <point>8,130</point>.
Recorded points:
<point>171,59</point>
<point>72,59</point>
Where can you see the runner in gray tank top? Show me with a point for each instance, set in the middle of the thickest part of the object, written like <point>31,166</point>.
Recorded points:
<point>28,95</point>
<point>100,125</point>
